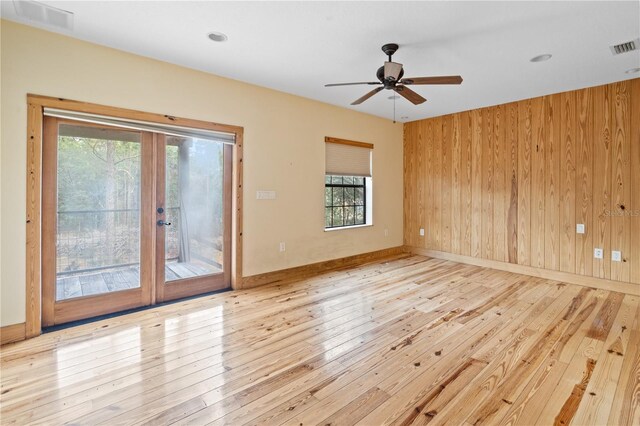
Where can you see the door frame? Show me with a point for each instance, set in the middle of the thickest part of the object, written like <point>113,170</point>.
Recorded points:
<point>34,217</point>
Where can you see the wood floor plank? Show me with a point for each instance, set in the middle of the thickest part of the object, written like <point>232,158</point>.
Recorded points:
<point>408,340</point>
<point>626,402</point>
<point>595,407</point>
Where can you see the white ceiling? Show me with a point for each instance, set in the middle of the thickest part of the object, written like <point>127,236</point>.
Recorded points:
<point>297,47</point>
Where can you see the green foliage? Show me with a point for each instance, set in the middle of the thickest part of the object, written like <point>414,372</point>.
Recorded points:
<point>99,190</point>
<point>96,174</point>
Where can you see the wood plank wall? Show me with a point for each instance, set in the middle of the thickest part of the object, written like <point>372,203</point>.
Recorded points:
<point>510,182</point>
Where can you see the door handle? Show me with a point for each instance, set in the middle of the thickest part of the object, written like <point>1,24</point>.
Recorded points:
<point>162,222</point>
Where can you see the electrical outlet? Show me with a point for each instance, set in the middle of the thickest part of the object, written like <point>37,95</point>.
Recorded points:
<point>386,232</point>
<point>422,232</point>
<point>282,247</point>
<point>598,253</point>
<point>616,256</point>
<point>580,228</point>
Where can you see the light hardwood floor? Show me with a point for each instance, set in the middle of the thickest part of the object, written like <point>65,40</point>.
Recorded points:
<point>409,340</point>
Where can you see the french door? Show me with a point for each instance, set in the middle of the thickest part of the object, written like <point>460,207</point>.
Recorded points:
<point>130,218</point>
<point>193,217</point>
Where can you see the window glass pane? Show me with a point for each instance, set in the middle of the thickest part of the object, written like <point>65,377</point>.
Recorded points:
<point>327,179</point>
<point>98,216</point>
<point>349,196</point>
<point>348,180</point>
<point>359,215</point>
<point>327,217</point>
<point>337,216</point>
<point>327,196</point>
<point>337,179</point>
<point>358,181</point>
<point>349,216</point>
<point>338,196</point>
<point>359,196</point>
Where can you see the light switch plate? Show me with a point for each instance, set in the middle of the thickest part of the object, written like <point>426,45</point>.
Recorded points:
<point>422,232</point>
<point>580,228</point>
<point>616,256</point>
<point>265,195</point>
<point>598,253</point>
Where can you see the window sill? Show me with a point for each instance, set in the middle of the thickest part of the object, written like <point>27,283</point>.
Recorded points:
<point>340,228</point>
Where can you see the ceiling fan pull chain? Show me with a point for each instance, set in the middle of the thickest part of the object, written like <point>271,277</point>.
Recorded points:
<point>394,109</point>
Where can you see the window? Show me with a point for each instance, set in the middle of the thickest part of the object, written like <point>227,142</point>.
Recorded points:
<point>347,184</point>
<point>345,201</point>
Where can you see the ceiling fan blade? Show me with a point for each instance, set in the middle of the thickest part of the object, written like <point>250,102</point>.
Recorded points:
<point>367,96</point>
<point>409,95</point>
<point>351,84</point>
<point>392,70</point>
<point>443,79</point>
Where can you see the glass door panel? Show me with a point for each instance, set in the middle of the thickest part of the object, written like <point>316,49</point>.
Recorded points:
<point>194,207</point>
<point>193,222</point>
<point>98,211</point>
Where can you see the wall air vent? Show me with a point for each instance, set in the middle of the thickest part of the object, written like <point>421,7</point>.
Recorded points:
<point>625,47</point>
<point>44,14</point>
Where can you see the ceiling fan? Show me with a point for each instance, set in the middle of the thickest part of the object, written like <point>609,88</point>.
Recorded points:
<point>390,76</point>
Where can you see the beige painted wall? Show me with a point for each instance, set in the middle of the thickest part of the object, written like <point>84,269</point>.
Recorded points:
<point>284,148</point>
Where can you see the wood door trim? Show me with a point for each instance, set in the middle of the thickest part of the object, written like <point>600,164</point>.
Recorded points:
<point>83,307</point>
<point>227,203</point>
<point>236,224</point>
<point>12,333</point>
<point>33,264</point>
<point>160,165</point>
<point>33,323</point>
<point>71,105</point>
<point>49,224</point>
<point>196,286</point>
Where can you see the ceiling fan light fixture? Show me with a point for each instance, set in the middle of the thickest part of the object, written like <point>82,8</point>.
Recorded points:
<point>217,36</point>
<point>392,71</point>
<point>541,58</point>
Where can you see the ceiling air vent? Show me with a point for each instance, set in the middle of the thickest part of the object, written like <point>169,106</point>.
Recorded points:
<point>44,14</point>
<point>625,47</point>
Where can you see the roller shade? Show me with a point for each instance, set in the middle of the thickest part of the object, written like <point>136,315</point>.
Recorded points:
<point>104,133</point>
<point>348,159</point>
<point>145,126</point>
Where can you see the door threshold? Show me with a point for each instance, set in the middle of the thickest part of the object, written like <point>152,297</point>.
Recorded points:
<point>125,312</point>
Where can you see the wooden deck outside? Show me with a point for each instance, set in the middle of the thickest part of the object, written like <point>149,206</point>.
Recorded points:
<point>121,278</point>
<point>411,340</point>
